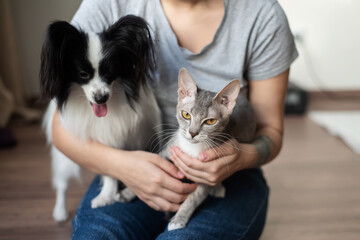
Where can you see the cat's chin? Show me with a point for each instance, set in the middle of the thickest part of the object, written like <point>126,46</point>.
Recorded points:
<point>193,141</point>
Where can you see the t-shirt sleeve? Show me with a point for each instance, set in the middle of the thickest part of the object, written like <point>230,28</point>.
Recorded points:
<point>273,48</point>
<point>94,15</point>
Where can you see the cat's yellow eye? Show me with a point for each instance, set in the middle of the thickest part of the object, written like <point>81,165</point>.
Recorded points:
<point>211,121</point>
<point>186,115</point>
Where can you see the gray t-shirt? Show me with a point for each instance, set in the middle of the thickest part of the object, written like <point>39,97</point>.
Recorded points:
<point>253,42</point>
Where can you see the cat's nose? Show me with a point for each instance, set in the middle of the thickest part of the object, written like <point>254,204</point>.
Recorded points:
<point>193,134</point>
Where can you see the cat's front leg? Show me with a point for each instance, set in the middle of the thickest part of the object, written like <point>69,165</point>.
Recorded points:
<point>218,191</point>
<point>188,207</point>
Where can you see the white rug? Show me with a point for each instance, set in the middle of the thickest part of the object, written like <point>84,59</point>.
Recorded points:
<point>343,124</point>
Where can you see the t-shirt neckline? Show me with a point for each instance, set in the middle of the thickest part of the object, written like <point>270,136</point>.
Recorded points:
<point>183,50</point>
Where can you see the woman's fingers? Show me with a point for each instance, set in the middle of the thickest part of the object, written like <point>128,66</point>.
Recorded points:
<point>165,205</point>
<point>172,197</point>
<point>176,186</point>
<point>187,171</point>
<point>152,204</point>
<point>190,162</point>
<point>169,182</point>
<point>212,171</point>
<point>169,168</point>
<point>222,150</point>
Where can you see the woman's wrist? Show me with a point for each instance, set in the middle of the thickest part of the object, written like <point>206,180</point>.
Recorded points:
<point>264,148</point>
<point>116,163</point>
<point>247,157</point>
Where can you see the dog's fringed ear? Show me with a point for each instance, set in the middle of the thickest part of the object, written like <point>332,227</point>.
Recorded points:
<point>60,39</point>
<point>131,39</point>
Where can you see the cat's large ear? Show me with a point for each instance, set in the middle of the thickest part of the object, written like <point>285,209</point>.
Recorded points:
<point>228,95</point>
<point>187,88</point>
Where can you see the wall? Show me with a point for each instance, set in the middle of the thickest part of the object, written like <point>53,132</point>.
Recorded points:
<point>330,45</point>
<point>31,18</point>
<point>329,28</point>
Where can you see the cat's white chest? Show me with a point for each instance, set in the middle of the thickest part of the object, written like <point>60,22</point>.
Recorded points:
<point>191,149</point>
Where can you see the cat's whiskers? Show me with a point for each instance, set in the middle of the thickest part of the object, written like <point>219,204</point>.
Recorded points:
<point>212,146</point>
<point>164,134</point>
<point>160,137</point>
<point>228,142</point>
<point>219,147</point>
<point>215,146</point>
<point>162,141</point>
<point>167,142</point>
<point>237,147</point>
<point>209,145</point>
<point>167,124</point>
<point>224,136</point>
<point>183,132</point>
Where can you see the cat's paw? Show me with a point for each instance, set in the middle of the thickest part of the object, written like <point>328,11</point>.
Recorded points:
<point>173,225</point>
<point>60,214</point>
<point>125,195</point>
<point>218,191</point>
<point>101,201</point>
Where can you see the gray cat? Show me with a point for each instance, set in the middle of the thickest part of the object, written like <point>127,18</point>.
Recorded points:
<point>207,119</point>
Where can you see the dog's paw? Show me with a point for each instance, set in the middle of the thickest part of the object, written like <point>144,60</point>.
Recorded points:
<point>60,214</point>
<point>121,198</point>
<point>173,225</point>
<point>126,195</point>
<point>101,201</point>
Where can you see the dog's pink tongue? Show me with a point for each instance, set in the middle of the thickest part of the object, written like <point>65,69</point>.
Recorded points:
<point>100,110</point>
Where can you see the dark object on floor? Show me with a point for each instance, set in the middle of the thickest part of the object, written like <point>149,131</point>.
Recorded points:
<point>296,100</point>
<point>7,138</point>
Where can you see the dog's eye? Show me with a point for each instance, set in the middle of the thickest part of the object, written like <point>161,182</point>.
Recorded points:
<point>84,75</point>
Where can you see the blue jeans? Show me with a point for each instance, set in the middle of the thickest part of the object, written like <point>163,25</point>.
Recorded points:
<point>240,215</point>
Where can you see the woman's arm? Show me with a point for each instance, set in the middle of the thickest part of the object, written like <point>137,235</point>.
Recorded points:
<point>267,98</point>
<point>153,179</point>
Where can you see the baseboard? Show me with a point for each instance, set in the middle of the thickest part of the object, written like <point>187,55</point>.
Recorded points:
<point>349,94</point>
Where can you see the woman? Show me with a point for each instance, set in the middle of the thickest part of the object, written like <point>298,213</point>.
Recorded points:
<point>216,40</point>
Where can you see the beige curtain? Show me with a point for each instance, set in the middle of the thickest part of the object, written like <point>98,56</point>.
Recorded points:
<point>12,92</point>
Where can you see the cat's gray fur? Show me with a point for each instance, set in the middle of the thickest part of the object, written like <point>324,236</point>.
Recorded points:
<point>235,118</point>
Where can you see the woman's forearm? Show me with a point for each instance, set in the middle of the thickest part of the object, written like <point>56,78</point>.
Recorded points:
<point>265,147</point>
<point>151,178</point>
<point>262,150</point>
<point>93,156</point>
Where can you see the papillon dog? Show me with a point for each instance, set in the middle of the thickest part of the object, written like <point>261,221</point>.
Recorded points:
<point>99,82</point>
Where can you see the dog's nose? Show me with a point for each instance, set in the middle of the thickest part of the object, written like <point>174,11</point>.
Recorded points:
<point>101,98</point>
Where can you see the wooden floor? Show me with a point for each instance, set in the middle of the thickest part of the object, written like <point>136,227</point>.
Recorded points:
<point>315,186</point>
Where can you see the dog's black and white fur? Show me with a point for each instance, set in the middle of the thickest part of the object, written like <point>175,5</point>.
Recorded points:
<point>98,81</point>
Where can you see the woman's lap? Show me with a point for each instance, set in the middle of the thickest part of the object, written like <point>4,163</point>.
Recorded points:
<point>133,220</point>
<point>240,215</point>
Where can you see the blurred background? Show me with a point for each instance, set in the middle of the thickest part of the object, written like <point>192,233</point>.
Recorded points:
<point>315,181</point>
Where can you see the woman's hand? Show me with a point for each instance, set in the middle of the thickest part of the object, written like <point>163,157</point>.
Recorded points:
<point>215,164</point>
<point>154,180</point>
